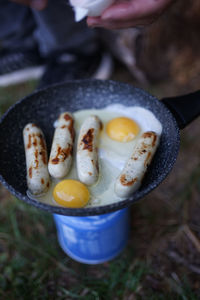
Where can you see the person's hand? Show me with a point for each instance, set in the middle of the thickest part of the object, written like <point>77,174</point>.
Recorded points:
<point>36,4</point>
<point>130,13</point>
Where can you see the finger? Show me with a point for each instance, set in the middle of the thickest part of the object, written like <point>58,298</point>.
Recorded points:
<point>93,21</point>
<point>98,22</point>
<point>134,9</point>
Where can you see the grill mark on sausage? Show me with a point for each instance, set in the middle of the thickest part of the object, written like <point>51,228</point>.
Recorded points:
<point>43,148</point>
<point>36,153</point>
<point>30,173</point>
<point>47,184</point>
<point>36,159</point>
<point>29,141</point>
<point>67,151</point>
<point>42,180</point>
<point>42,143</point>
<point>154,140</point>
<point>147,159</point>
<point>36,164</point>
<point>55,160</point>
<point>70,125</point>
<point>150,134</point>
<point>62,154</point>
<point>144,146</point>
<point>88,140</point>
<point>71,129</point>
<point>125,182</point>
<point>90,173</point>
<point>44,157</point>
<point>142,151</point>
<point>35,141</point>
<point>67,117</point>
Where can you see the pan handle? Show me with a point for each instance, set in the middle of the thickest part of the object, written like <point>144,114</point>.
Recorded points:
<point>184,108</point>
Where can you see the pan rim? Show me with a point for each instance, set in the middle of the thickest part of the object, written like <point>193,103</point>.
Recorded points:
<point>97,210</point>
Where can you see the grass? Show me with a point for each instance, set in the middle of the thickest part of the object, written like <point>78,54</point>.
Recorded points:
<point>161,260</point>
<point>11,94</point>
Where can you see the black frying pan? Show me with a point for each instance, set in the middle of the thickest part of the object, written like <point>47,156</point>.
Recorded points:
<point>43,108</point>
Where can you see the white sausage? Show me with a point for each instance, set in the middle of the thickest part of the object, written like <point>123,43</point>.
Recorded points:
<point>131,176</point>
<point>62,146</point>
<point>87,153</point>
<point>36,159</point>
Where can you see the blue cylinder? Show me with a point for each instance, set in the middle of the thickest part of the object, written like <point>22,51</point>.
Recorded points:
<point>93,239</point>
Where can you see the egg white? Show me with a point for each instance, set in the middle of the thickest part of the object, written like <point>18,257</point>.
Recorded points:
<point>112,154</point>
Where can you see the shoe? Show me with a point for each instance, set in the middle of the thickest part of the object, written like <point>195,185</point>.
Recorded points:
<point>20,66</point>
<point>67,66</point>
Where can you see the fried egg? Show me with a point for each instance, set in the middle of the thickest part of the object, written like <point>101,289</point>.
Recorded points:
<point>122,126</point>
<point>71,193</point>
<point>122,129</point>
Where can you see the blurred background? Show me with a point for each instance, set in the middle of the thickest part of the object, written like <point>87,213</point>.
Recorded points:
<point>162,258</point>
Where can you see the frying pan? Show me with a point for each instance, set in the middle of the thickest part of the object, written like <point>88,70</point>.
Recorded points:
<point>44,106</point>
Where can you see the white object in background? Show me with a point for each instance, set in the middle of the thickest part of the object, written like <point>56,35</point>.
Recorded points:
<point>92,8</point>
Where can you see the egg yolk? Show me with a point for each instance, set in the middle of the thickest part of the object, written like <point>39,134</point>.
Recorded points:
<point>122,129</point>
<point>71,193</point>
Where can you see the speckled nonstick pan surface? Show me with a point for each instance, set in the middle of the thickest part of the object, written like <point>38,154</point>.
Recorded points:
<point>43,108</point>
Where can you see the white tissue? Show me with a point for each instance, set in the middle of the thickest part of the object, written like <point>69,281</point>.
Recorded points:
<point>93,8</point>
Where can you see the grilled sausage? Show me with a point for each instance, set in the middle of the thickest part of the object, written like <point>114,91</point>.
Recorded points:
<point>62,147</point>
<point>131,176</point>
<point>36,159</point>
<point>87,153</point>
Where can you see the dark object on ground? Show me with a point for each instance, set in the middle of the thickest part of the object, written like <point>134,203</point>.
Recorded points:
<point>20,65</point>
<point>66,66</point>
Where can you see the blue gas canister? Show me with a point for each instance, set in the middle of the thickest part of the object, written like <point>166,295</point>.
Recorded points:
<point>93,239</point>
